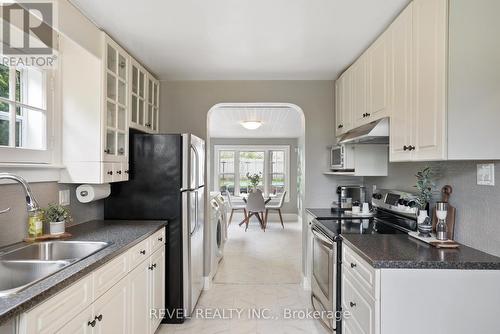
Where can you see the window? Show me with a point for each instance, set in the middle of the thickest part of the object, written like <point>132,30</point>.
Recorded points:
<point>23,115</point>
<point>234,163</point>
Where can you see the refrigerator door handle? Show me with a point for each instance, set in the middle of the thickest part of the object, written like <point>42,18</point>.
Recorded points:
<point>195,214</point>
<point>182,190</point>
<point>197,164</point>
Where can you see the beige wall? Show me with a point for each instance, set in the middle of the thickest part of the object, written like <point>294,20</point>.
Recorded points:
<point>185,104</point>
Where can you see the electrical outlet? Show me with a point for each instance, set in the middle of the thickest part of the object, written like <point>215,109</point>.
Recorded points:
<point>486,174</point>
<point>64,197</point>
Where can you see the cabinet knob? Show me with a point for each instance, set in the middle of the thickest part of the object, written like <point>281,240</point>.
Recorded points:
<point>108,151</point>
<point>143,252</point>
<point>351,304</point>
<point>353,265</point>
<point>126,171</point>
<point>368,114</point>
<point>411,148</point>
<point>406,148</point>
<point>119,172</point>
<point>110,172</point>
<point>151,267</point>
<point>341,126</point>
<point>99,317</point>
<point>160,239</point>
<point>154,265</point>
<point>91,323</point>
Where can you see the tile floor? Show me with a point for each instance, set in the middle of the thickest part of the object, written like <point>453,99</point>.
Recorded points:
<point>260,272</point>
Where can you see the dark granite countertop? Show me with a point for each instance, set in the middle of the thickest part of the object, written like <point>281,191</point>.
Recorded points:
<point>323,214</point>
<point>392,251</point>
<point>122,233</point>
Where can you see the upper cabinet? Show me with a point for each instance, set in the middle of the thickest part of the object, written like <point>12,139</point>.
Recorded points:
<point>343,102</point>
<point>101,98</point>
<point>434,72</point>
<point>144,96</point>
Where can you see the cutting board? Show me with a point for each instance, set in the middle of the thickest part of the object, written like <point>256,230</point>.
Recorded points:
<point>450,218</point>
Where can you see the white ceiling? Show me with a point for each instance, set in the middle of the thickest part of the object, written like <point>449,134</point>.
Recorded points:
<point>244,39</point>
<point>277,122</point>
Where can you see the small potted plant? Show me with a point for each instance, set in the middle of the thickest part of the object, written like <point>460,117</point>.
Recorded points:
<point>425,186</point>
<point>254,179</point>
<point>57,216</point>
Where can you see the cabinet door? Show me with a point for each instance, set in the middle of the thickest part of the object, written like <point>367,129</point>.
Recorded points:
<point>156,106</point>
<point>80,324</point>
<point>139,298</point>
<point>111,310</point>
<point>339,126</point>
<point>116,74</point>
<point>379,78</point>
<point>359,91</point>
<point>138,98</point>
<point>429,91</point>
<point>401,134</point>
<point>157,284</point>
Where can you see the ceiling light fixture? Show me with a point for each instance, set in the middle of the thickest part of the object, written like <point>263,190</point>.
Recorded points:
<point>251,125</point>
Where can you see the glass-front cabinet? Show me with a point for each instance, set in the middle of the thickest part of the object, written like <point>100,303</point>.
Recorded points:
<point>144,97</point>
<point>116,104</point>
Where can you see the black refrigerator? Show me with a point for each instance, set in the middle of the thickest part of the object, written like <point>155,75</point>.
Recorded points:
<point>166,182</point>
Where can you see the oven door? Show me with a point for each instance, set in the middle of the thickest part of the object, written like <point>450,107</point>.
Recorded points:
<point>324,270</point>
<point>337,157</point>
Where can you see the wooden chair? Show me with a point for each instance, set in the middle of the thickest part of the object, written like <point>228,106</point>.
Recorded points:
<point>235,207</point>
<point>275,207</point>
<point>255,207</point>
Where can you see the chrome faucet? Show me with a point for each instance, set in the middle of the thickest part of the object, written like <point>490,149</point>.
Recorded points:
<point>31,203</point>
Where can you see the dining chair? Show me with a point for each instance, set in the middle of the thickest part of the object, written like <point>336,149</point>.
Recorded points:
<point>235,207</point>
<point>275,207</point>
<point>255,207</point>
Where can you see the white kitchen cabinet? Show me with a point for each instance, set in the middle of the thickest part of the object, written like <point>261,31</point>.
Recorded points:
<point>144,95</point>
<point>430,19</point>
<point>401,122</point>
<point>358,90</point>
<point>157,285</point>
<point>94,112</point>
<point>379,79</point>
<point>139,298</point>
<point>112,310</point>
<point>385,301</point>
<point>343,113</point>
<point>115,298</point>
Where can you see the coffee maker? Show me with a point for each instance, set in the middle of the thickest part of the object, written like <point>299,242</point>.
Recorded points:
<point>348,196</point>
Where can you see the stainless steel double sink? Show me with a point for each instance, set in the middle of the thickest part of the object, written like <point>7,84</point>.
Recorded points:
<point>27,264</point>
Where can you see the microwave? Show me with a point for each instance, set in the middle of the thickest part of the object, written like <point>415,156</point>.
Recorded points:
<point>342,157</point>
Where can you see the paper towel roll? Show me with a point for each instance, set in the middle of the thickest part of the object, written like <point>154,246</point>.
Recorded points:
<point>92,192</point>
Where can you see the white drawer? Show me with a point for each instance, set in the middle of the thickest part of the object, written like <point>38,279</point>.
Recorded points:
<point>359,304</point>
<point>139,253</point>
<point>54,313</point>
<point>157,240</point>
<point>359,268</point>
<point>109,274</point>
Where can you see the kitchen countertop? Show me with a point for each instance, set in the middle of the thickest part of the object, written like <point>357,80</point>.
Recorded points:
<point>323,214</point>
<point>122,233</point>
<point>390,251</point>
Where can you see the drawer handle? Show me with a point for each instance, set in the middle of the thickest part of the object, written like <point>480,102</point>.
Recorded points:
<point>99,318</point>
<point>353,265</point>
<point>91,323</point>
<point>160,239</point>
<point>351,304</point>
<point>143,252</point>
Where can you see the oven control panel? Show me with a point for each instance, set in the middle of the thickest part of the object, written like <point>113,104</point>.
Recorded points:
<point>396,201</point>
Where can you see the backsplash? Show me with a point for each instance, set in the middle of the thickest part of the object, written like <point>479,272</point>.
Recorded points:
<point>13,223</point>
<point>477,221</point>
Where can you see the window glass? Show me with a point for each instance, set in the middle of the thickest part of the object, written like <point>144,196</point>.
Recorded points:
<point>277,172</point>
<point>251,164</point>
<point>226,171</point>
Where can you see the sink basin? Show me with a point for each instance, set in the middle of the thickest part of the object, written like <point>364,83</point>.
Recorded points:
<point>55,251</point>
<point>17,275</point>
<point>28,264</point>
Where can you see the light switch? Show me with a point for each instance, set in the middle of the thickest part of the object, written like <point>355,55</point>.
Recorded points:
<point>64,197</point>
<point>486,174</point>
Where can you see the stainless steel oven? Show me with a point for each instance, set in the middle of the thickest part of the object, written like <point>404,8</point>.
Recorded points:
<point>324,273</point>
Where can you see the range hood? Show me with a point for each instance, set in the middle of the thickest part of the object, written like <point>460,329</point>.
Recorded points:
<point>376,132</point>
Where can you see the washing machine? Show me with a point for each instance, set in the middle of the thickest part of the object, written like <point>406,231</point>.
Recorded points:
<point>224,209</point>
<point>216,234</point>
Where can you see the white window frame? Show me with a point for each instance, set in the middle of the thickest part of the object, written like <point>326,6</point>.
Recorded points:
<point>13,156</point>
<point>267,164</point>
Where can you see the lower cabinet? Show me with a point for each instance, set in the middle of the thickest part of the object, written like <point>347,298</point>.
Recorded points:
<point>117,298</point>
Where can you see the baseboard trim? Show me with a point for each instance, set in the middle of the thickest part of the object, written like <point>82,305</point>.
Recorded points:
<point>208,281</point>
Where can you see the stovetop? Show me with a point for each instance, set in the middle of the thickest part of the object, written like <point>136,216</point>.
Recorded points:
<point>335,227</point>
